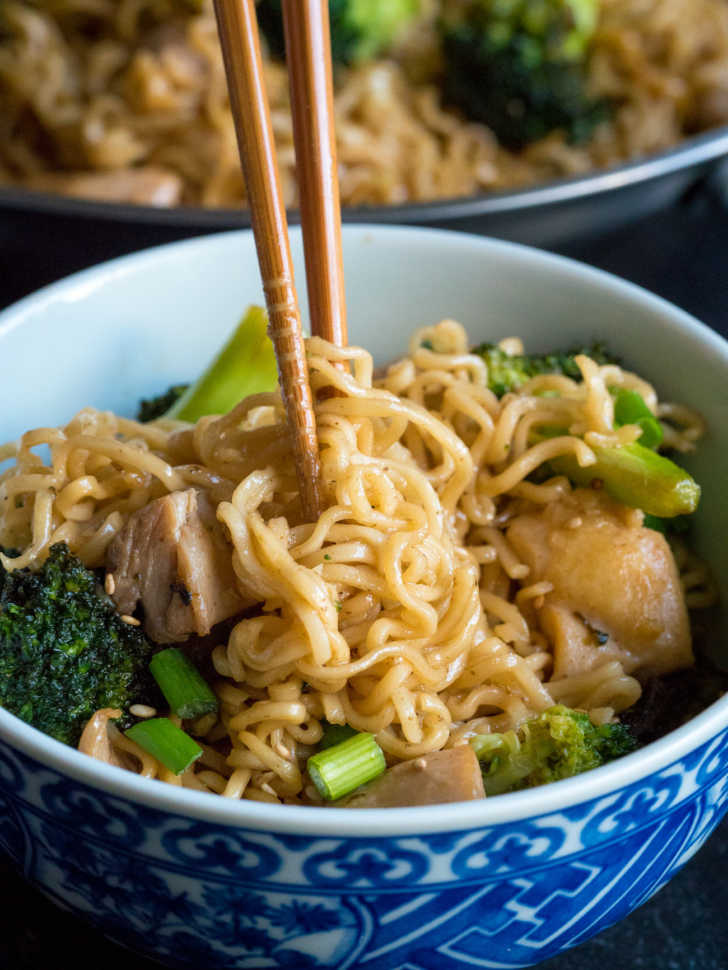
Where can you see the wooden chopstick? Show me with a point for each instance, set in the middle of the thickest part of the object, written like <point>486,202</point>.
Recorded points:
<point>238,29</point>
<point>308,54</point>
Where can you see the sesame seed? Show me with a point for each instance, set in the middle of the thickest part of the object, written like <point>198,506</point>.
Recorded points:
<point>110,584</point>
<point>131,620</point>
<point>142,710</point>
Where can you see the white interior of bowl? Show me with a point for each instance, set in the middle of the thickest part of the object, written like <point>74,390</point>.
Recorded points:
<point>129,328</point>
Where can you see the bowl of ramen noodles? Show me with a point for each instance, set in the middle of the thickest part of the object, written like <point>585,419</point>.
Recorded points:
<point>537,120</point>
<point>474,713</point>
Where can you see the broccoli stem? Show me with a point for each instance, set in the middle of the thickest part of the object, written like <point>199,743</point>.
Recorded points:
<point>245,365</point>
<point>630,408</point>
<point>636,476</point>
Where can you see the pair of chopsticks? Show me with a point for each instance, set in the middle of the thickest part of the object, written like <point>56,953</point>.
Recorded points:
<point>308,53</point>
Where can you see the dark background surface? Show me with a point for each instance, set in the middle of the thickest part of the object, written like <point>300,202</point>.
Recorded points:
<point>681,254</point>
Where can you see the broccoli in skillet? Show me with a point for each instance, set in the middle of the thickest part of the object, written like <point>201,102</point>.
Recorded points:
<point>519,66</point>
<point>360,29</point>
<point>64,651</point>
<point>557,744</point>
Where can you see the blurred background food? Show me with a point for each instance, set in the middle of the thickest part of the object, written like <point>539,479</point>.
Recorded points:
<point>125,100</point>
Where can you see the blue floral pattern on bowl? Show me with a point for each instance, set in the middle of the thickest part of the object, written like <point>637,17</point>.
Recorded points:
<point>193,893</point>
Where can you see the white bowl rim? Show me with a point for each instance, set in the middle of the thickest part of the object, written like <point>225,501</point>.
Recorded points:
<point>365,823</point>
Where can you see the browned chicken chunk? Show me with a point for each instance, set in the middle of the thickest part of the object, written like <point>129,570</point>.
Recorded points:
<point>616,590</point>
<point>145,186</point>
<point>173,557</point>
<point>452,775</point>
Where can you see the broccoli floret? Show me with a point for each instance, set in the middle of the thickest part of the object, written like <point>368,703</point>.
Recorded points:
<point>64,651</point>
<point>557,744</point>
<point>519,66</point>
<point>508,372</point>
<point>632,474</point>
<point>156,407</point>
<point>360,29</point>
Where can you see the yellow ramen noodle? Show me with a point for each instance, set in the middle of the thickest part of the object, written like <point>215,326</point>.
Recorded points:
<point>413,608</point>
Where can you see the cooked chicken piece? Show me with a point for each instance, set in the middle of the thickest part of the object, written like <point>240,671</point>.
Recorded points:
<point>576,646</point>
<point>617,593</point>
<point>144,186</point>
<point>452,775</point>
<point>173,556</point>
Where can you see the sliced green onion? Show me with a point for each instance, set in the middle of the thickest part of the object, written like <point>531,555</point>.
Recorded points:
<point>334,734</point>
<point>166,742</point>
<point>630,408</point>
<point>342,768</point>
<point>187,693</point>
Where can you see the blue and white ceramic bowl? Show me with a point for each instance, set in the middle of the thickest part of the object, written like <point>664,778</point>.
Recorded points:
<point>197,881</point>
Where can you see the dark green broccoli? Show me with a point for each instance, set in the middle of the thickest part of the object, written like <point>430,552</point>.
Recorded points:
<point>64,651</point>
<point>508,372</point>
<point>360,29</point>
<point>152,408</point>
<point>557,744</point>
<point>519,66</point>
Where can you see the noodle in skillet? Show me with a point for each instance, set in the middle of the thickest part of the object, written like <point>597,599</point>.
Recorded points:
<point>125,100</point>
<point>405,611</point>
